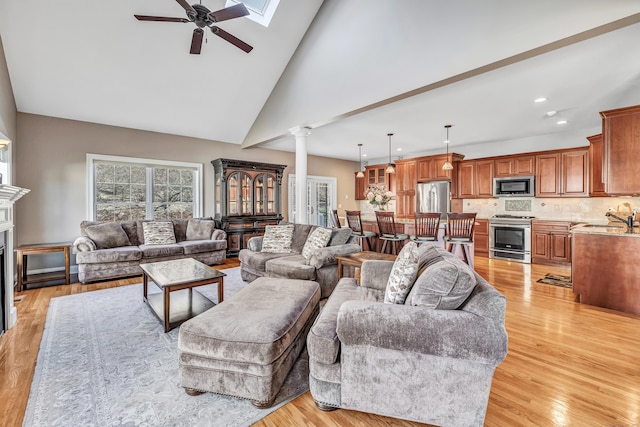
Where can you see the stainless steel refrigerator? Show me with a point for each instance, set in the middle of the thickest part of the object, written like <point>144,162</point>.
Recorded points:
<point>433,197</point>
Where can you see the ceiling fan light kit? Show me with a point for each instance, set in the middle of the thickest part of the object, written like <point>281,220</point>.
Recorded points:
<point>205,18</point>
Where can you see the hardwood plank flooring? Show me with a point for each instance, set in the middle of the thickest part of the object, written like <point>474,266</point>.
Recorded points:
<point>568,364</point>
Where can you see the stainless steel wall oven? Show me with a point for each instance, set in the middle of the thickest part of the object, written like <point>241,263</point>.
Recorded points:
<point>510,238</point>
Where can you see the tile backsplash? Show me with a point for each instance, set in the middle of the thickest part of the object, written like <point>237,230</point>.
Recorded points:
<point>577,209</point>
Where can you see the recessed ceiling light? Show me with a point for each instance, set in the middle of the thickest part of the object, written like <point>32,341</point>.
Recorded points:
<point>561,122</point>
<point>551,113</point>
<point>399,149</point>
<point>364,155</point>
<point>541,99</point>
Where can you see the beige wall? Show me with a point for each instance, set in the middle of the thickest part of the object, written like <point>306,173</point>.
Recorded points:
<point>52,156</point>
<point>7,102</point>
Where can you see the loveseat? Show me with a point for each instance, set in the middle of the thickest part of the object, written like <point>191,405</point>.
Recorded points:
<point>419,340</point>
<point>293,252</point>
<point>107,250</point>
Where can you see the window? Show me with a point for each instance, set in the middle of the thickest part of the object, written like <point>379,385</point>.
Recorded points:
<point>260,11</point>
<point>125,188</point>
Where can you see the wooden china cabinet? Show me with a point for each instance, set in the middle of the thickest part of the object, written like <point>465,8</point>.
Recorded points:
<point>248,196</point>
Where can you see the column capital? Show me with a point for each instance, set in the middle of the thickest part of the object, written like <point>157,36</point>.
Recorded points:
<point>300,131</point>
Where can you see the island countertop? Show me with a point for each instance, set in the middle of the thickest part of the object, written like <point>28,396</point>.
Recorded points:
<point>606,229</point>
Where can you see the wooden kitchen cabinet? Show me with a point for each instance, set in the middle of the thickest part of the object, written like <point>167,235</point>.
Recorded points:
<point>481,237</point>
<point>596,183</point>
<point>375,175</point>
<point>475,179</point>
<point>621,151</point>
<point>360,186</point>
<point>563,173</point>
<point>430,168</point>
<point>406,180</point>
<point>515,166</point>
<point>550,242</point>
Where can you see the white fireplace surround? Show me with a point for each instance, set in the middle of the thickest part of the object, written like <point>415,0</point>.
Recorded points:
<point>8,196</point>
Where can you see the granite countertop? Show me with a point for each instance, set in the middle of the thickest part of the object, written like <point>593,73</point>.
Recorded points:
<point>606,229</point>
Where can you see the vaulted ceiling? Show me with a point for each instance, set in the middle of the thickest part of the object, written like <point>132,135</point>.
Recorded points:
<point>350,70</point>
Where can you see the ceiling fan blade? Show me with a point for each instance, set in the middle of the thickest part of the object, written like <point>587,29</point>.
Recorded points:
<point>190,10</point>
<point>159,18</point>
<point>231,12</point>
<point>231,39</point>
<point>196,41</point>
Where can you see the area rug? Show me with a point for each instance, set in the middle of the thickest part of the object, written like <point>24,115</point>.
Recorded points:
<point>557,280</point>
<point>105,360</point>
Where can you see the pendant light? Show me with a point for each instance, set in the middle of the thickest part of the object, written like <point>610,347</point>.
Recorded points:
<point>390,166</point>
<point>447,166</point>
<point>360,174</point>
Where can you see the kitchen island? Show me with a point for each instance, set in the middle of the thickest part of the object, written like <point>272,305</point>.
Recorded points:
<point>605,267</point>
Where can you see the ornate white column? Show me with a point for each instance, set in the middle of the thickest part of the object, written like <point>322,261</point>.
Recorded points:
<point>301,133</point>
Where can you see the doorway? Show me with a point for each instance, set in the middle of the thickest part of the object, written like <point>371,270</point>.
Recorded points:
<point>321,199</point>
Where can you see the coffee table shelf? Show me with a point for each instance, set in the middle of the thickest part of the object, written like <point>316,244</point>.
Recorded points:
<point>185,304</point>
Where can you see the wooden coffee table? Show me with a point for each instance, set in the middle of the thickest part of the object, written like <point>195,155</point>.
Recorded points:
<point>173,307</point>
<point>356,259</point>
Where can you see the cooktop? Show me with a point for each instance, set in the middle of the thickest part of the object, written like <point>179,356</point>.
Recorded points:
<point>513,216</point>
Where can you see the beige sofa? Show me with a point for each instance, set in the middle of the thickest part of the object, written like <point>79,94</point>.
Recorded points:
<point>108,250</point>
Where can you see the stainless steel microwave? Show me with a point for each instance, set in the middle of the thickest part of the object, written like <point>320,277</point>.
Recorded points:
<point>514,186</point>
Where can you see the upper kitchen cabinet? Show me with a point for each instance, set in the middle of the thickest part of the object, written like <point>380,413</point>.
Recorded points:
<point>430,168</point>
<point>475,179</point>
<point>621,150</point>
<point>360,187</point>
<point>406,188</point>
<point>515,166</point>
<point>596,183</point>
<point>562,173</point>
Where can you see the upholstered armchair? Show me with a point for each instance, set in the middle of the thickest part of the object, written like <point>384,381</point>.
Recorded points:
<point>430,359</point>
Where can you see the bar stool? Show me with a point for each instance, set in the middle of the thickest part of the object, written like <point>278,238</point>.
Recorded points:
<point>387,228</point>
<point>354,222</point>
<point>427,227</point>
<point>460,232</point>
<point>336,219</point>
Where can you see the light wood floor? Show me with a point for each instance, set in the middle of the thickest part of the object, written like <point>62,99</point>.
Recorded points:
<point>568,364</point>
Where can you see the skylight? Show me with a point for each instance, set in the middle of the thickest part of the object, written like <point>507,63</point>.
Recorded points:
<point>260,11</point>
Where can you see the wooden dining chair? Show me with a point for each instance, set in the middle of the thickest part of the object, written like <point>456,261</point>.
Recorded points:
<point>459,231</point>
<point>335,219</point>
<point>388,233</point>
<point>354,221</point>
<point>427,227</point>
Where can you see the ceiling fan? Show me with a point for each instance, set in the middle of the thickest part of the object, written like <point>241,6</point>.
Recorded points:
<point>203,17</point>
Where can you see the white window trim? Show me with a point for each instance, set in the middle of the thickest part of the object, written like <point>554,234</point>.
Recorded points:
<point>262,17</point>
<point>92,158</point>
<point>291,178</point>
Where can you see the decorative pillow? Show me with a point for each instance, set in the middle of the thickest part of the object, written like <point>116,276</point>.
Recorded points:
<point>200,229</point>
<point>316,240</point>
<point>158,233</point>
<point>107,235</point>
<point>443,285</point>
<point>339,236</point>
<point>277,239</point>
<point>403,274</point>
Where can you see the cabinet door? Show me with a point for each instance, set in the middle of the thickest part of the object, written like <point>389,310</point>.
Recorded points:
<point>524,165</point>
<point>425,170</point>
<point>621,140</point>
<point>548,175</point>
<point>481,237</point>
<point>438,172</point>
<point>504,168</point>
<point>560,247</point>
<point>466,178</point>
<point>484,178</point>
<point>596,184</point>
<point>264,195</point>
<point>540,244</point>
<point>575,173</point>
<point>360,187</point>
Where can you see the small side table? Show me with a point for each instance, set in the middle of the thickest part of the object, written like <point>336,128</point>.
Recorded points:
<point>356,259</point>
<point>23,251</point>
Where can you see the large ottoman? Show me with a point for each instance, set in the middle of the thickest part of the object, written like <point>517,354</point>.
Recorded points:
<point>246,345</point>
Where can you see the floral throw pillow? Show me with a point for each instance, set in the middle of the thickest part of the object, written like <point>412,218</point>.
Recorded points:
<point>403,274</point>
<point>277,239</point>
<point>158,233</point>
<point>317,239</point>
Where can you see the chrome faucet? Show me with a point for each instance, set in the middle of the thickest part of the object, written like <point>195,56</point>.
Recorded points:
<point>628,221</point>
